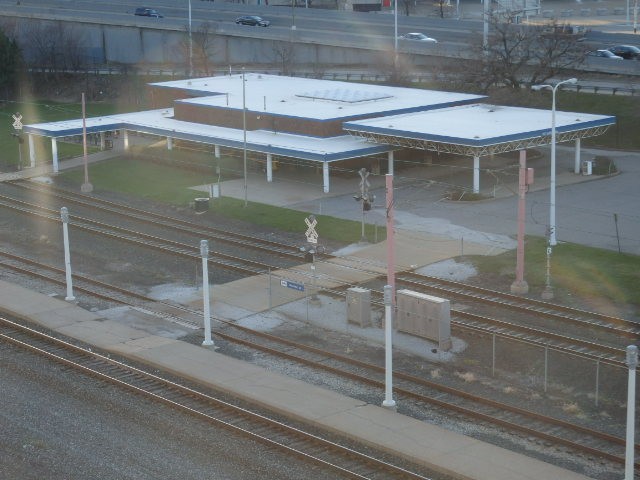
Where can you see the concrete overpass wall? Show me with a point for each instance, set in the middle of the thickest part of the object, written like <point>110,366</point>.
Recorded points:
<point>131,45</point>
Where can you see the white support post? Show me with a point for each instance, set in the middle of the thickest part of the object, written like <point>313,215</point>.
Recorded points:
<point>269,168</point>
<point>54,154</point>
<point>125,139</point>
<point>216,151</point>
<point>169,143</point>
<point>576,163</point>
<point>390,160</point>
<point>476,174</point>
<point>64,215</point>
<point>325,177</point>
<point>103,143</point>
<point>632,363</point>
<point>388,402</point>
<point>32,151</point>
<point>204,252</point>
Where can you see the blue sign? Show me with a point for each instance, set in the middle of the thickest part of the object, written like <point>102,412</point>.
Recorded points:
<point>292,285</point>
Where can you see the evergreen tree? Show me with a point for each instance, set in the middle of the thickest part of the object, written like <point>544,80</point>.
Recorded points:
<point>10,61</point>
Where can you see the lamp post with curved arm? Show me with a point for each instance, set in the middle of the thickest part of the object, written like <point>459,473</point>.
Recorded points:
<point>552,185</point>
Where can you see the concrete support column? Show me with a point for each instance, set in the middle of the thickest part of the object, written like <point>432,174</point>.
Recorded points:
<point>32,151</point>
<point>390,160</point>
<point>325,177</point>
<point>216,151</point>
<point>476,174</point>
<point>269,168</point>
<point>102,141</point>
<point>125,139</point>
<point>54,154</point>
<point>169,143</point>
<point>520,286</point>
<point>576,164</point>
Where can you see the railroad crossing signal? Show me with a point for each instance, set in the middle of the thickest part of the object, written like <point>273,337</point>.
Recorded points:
<point>364,183</point>
<point>311,234</point>
<point>17,121</point>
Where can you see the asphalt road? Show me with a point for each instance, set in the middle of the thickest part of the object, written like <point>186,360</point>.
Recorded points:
<point>586,211</point>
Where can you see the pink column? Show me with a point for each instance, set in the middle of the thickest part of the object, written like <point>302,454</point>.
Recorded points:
<point>520,286</point>
<point>391,251</point>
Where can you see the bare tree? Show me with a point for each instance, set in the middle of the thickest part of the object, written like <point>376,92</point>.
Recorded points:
<point>55,48</point>
<point>397,68</point>
<point>284,54</point>
<point>406,6</point>
<point>519,54</point>
<point>204,44</point>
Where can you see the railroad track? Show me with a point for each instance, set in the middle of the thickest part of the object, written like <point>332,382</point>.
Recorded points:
<point>219,259</point>
<point>144,216</point>
<point>343,460</point>
<point>418,390</point>
<point>615,327</point>
<point>558,313</point>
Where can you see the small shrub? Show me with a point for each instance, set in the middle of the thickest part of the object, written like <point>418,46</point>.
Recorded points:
<point>466,376</point>
<point>571,408</point>
<point>460,195</point>
<point>603,166</point>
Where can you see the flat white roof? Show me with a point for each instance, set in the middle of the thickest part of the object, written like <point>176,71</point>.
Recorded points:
<point>426,115</point>
<point>311,98</point>
<point>478,124</point>
<point>161,122</point>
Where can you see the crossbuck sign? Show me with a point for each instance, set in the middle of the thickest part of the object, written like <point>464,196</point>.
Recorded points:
<point>312,235</point>
<point>17,121</point>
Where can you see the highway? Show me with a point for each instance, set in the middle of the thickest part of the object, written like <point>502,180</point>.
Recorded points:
<point>312,26</point>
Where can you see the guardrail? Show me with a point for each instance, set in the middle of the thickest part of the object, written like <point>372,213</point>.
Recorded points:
<point>355,75</point>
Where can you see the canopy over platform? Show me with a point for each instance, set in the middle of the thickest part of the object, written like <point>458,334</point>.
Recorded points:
<point>161,122</point>
<point>479,129</point>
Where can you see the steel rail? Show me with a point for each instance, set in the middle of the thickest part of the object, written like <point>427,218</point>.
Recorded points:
<point>339,458</point>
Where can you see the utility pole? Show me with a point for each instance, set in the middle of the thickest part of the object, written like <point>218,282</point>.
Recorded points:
<point>86,187</point>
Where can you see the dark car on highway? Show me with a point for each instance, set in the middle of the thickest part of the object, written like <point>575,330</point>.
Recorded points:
<point>252,20</point>
<point>147,12</point>
<point>628,52</point>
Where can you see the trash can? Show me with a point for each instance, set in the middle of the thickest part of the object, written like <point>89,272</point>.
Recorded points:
<point>201,205</point>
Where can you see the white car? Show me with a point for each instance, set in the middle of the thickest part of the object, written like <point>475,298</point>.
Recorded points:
<point>418,37</point>
<point>604,54</point>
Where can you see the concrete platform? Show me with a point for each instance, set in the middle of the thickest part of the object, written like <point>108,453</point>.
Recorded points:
<point>434,447</point>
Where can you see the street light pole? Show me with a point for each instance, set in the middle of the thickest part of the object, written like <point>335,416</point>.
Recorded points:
<point>395,38</point>
<point>244,135</point>
<point>552,184</point>
<point>190,44</point>
<point>293,14</point>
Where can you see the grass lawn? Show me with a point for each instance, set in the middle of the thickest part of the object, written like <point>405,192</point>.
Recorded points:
<point>169,185</point>
<point>605,278</point>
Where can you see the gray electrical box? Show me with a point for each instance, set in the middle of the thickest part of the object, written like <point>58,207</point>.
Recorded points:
<point>359,306</point>
<point>424,316</point>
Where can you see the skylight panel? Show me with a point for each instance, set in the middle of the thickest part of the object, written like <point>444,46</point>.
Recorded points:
<point>345,95</point>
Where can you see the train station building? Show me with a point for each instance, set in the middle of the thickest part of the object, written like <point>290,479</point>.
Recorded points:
<point>327,122</point>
